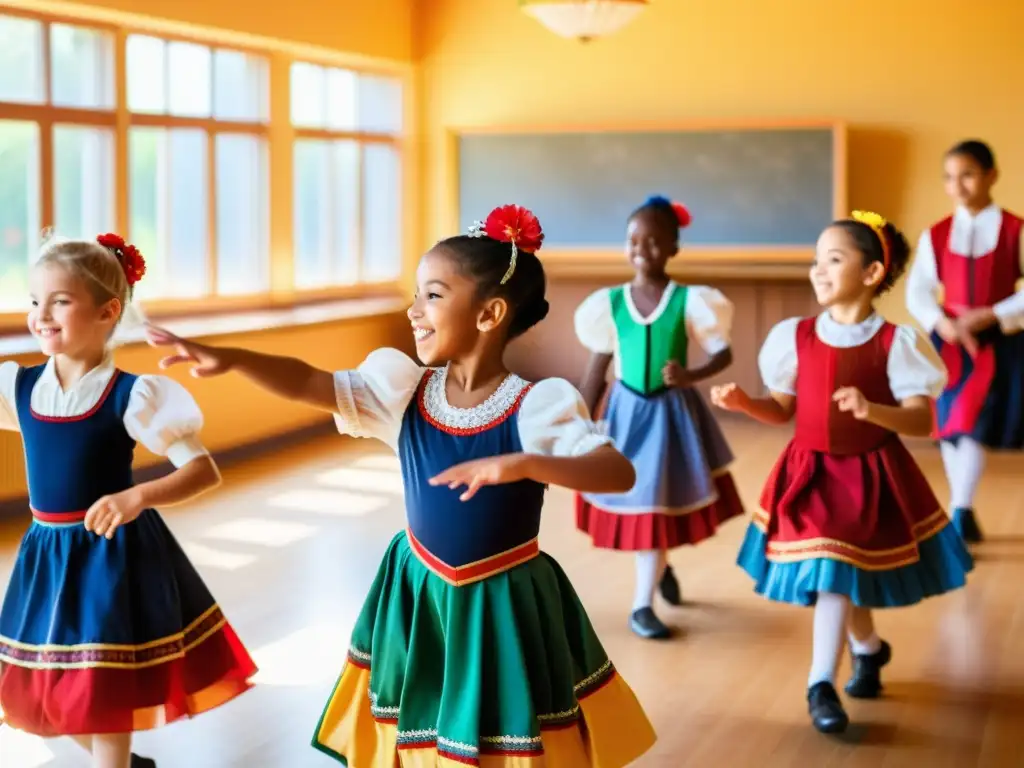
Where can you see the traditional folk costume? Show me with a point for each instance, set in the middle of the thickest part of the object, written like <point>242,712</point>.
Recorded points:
<point>103,636</point>
<point>977,262</point>
<point>847,517</point>
<point>472,647</point>
<point>684,490</point>
<point>846,510</point>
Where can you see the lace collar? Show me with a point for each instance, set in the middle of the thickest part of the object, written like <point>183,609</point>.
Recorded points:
<point>495,409</point>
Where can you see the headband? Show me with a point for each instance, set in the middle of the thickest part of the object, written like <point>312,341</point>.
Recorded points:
<point>511,224</point>
<point>127,255</point>
<point>877,225</point>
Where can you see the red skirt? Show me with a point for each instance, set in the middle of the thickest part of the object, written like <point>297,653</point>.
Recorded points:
<point>55,698</point>
<point>654,530</point>
<point>870,510</point>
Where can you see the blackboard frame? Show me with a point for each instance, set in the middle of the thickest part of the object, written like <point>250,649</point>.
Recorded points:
<point>711,260</point>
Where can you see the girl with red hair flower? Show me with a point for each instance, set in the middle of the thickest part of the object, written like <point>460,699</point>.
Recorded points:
<point>472,646</point>
<point>106,627</point>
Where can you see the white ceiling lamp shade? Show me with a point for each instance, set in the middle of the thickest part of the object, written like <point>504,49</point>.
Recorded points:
<point>584,20</point>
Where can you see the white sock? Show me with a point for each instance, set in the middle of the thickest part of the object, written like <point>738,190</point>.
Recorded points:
<point>829,637</point>
<point>867,647</point>
<point>649,567</point>
<point>965,464</point>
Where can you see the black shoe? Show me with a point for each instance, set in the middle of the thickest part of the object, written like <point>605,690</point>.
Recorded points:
<point>966,525</point>
<point>644,623</point>
<point>142,762</point>
<point>669,587</point>
<point>866,681</point>
<point>825,709</point>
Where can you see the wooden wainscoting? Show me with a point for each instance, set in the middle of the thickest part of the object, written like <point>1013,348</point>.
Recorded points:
<point>551,349</point>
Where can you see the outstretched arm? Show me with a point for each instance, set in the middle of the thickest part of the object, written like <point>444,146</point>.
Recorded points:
<point>561,446</point>
<point>285,377</point>
<point>602,470</point>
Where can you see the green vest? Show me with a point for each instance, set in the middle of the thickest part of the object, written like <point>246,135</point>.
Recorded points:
<point>644,349</point>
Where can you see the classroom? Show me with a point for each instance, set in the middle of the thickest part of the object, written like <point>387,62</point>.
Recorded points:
<point>284,168</point>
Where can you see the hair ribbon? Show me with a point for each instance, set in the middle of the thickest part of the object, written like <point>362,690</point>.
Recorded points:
<point>877,225</point>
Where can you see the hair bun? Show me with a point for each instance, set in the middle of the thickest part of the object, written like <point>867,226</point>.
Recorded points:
<point>542,309</point>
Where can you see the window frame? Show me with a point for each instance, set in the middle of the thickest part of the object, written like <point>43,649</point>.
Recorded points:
<point>275,129</point>
<point>361,139</point>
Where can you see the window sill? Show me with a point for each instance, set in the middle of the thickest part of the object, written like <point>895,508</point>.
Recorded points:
<point>226,324</point>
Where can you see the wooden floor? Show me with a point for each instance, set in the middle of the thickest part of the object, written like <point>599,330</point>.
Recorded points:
<point>291,542</point>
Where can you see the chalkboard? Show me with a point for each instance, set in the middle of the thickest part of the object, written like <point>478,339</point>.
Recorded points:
<point>759,187</point>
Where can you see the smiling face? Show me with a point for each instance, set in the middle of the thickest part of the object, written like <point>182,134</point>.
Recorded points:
<point>65,316</point>
<point>650,243</point>
<point>966,182</point>
<point>838,274</point>
<point>447,315</point>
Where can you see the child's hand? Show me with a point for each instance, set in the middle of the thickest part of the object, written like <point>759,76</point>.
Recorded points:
<point>206,361</point>
<point>475,474</point>
<point>674,375</point>
<point>961,331</point>
<point>109,513</point>
<point>730,397</point>
<point>851,400</point>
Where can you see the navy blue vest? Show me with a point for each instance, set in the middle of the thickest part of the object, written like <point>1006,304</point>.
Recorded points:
<point>498,518</point>
<point>71,462</point>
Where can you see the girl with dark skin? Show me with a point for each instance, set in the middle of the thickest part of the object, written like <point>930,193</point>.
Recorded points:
<point>655,415</point>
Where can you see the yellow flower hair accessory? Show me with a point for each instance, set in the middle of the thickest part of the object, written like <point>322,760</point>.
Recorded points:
<point>877,224</point>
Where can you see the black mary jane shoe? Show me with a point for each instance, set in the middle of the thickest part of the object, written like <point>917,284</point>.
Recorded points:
<point>669,587</point>
<point>866,681</point>
<point>142,762</point>
<point>966,524</point>
<point>826,711</point>
<point>647,625</point>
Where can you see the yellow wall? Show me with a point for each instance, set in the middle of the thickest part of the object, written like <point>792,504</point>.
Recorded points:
<point>911,77</point>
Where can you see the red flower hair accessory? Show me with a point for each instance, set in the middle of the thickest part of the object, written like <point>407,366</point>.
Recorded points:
<point>128,256</point>
<point>511,224</point>
<point>682,214</point>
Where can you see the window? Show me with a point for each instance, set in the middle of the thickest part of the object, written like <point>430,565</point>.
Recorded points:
<point>167,140</point>
<point>64,123</point>
<point>347,176</point>
<point>197,165</point>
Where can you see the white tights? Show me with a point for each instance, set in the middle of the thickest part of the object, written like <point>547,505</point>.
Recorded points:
<point>835,622</point>
<point>112,750</point>
<point>964,463</point>
<point>650,565</point>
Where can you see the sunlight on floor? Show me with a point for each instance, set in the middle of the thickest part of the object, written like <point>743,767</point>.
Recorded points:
<point>20,750</point>
<point>270,533</point>
<point>208,557</point>
<point>372,480</point>
<point>332,502</point>
<point>377,461</point>
<point>310,656</point>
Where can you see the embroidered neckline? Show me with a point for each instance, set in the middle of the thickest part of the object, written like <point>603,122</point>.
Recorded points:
<point>435,408</point>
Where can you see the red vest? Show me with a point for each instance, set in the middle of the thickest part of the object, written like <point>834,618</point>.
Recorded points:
<point>821,370</point>
<point>977,281</point>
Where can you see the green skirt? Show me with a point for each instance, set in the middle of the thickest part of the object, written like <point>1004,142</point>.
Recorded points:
<point>506,672</point>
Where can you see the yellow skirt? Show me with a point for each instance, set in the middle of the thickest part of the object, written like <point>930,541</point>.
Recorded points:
<point>611,731</point>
